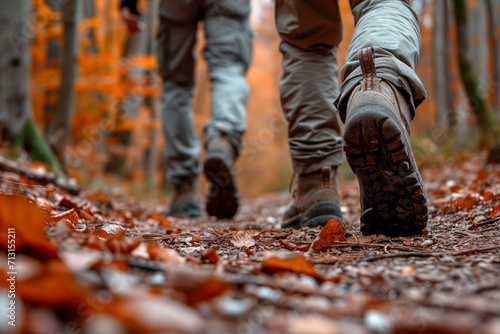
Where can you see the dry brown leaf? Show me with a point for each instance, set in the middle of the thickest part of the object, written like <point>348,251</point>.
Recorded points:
<point>209,289</point>
<point>55,286</point>
<point>69,215</point>
<point>243,239</point>
<point>331,232</point>
<point>298,264</point>
<point>466,202</point>
<point>122,246</point>
<point>210,256</point>
<point>110,231</point>
<point>159,253</point>
<point>44,204</point>
<point>163,220</point>
<point>294,247</point>
<point>29,222</point>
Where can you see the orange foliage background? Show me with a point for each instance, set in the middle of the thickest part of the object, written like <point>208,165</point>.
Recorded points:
<point>100,86</point>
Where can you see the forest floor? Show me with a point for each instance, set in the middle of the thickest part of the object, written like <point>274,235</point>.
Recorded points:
<point>114,265</point>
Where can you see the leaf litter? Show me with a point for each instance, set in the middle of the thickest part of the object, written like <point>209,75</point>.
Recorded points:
<point>115,263</point>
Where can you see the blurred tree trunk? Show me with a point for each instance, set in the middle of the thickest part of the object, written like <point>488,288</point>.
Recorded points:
<point>15,108</point>
<point>442,79</point>
<point>476,100</point>
<point>16,122</point>
<point>53,57</point>
<point>138,44</point>
<point>59,129</point>
<point>494,42</point>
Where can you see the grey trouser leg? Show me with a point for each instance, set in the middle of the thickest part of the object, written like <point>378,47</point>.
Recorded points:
<point>228,52</point>
<point>176,40</point>
<point>310,32</point>
<point>391,27</point>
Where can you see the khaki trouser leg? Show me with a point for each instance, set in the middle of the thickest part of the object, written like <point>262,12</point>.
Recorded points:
<point>310,32</point>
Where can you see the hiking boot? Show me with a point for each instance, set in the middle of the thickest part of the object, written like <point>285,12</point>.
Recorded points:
<point>378,149</point>
<point>186,202</point>
<point>316,200</point>
<point>223,197</point>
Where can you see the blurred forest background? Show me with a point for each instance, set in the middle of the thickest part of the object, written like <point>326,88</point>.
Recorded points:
<point>94,90</point>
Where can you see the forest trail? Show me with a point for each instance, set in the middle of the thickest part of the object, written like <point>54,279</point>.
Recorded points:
<point>114,263</point>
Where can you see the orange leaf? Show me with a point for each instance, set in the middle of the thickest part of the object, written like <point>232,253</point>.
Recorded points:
<point>455,189</point>
<point>163,254</point>
<point>29,222</point>
<point>70,215</point>
<point>495,212</point>
<point>333,231</point>
<point>113,232</point>
<point>55,286</point>
<point>294,247</point>
<point>466,202</point>
<point>164,221</point>
<point>210,256</point>
<point>298,264</point>
<point>122,246</point>
<point>209,289</point>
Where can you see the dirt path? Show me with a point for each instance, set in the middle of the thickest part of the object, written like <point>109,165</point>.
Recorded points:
<point>138,272</point>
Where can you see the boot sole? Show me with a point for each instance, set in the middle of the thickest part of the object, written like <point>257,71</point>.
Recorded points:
<point>391,188</point>
<point>223,197</point>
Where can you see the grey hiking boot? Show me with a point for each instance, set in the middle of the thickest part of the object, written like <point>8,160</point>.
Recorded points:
<point>316,200</point>
<point>186,202</point>
<point>378,149</point>
<point>223,197</point>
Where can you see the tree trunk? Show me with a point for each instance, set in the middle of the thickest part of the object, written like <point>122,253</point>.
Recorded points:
<point>476,100</point>
<point>59,129</point>
<point>442,79</point>
<point>494,42</point>
<point>15,35</point>
<point>136,45</point>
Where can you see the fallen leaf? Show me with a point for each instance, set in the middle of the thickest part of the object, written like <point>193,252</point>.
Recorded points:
<point>333,231</point>
<point>210,256</point>
<point>44,204</point>
<point>294,247</point>
<point>162,254</point>
<point>69,215</point>
<point>466,202</point>
<point>298,264</point>
<point>110,231</point>
<point>243,239</point>
<point>122,246</point>
<point>29,222</point>
<point>163,220</point>
<point>55,286</point>
<point>407,270</point>
<point>209,289</point>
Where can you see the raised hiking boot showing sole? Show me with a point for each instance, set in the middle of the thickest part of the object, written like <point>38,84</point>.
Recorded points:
<point>223,197</point>
<point>378,149</point>
<point>392,193</point>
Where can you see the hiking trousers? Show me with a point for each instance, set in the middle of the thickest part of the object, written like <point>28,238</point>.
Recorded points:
<point>228,51</point>
<point>310,33</point>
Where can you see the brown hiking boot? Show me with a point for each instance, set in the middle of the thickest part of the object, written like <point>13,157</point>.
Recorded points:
<point>223,197</point>
<point>186,202</point>
<point>316,200</point>
<point>377,145</point>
